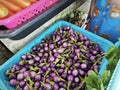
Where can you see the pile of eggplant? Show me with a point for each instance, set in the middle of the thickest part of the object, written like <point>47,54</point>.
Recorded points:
<point>60,61</point>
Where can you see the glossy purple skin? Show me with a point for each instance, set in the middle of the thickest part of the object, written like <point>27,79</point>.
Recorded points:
<point>42,50</point>
<point>23,57</point>
<point>71,55</point>
<point>37,58</point>
<point>85,38</point>
<point>20,76</point>
<point>81,72</point>
<point>40,54</point>
<point>46,48</point>
<point>26,87</point>
<point>62,89</point>
<point>52,58</point>
<point>61,84</point>
<point>89,71</point>
<point>52,69</point>
<point>73,85</point>
<point>41,61</point>
<point>38,48</point>
<point>37,84</point>
<point>77,51</point>
<point>37,77</point>
<point>87,42</point>
<point>46,54</point>
<point>51,46</point>
<point>56,54</point>
<point>65,44</point>
<point>22,69</point>
<point>34,48</point>
<point>56,86</point>
<point>61,71</point>
<point>83,66</point>
<point>13,82</point>
<point>62,65</point>
<point>64,75</point>
<point>44,68</point>
<point>75,72</point>
<point>92,58</point>
<point>32,74</point>
<point>95,52</point>
<point>77,65</point>
<point>70,77</point>
<point>75,58</point>
<point>69,71</point>
<point>84,47</point>
<point>29,56</point>
<point>41,71</point>
<point>88,55</point>
<point>17,67</point>
<point>61,50</point>
<point>52,74</point>
<point>47,86</point>
<point>56,79</point>
<point>22,84</point>
<point>54,50</point>
<point>76,79</point>
<point>31,62</point>
<point>96,67</point>
<point>52,65</point>
<point>58,38</point>
<point>26,74</point>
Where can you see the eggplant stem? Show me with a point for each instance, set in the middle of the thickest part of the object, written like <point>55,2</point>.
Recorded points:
<point>68,86</point>
<point>46,74</point>
<point>56,72</point>
<point>30,85</point>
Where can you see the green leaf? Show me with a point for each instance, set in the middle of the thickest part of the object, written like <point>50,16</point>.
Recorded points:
<point>105,77</point>
<point>90,88</point>
<point>94,82</point>
<point>110,52</point>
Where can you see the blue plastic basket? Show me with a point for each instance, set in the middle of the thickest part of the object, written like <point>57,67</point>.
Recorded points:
<point>114,83</point>
<point>103,43</point>
<point>117,44</point>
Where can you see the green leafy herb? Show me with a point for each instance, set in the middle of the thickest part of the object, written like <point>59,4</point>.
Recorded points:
<point>112,55</point>
<point>95,82</point>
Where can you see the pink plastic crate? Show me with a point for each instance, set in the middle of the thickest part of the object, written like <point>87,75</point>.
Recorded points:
<point>27,13</point>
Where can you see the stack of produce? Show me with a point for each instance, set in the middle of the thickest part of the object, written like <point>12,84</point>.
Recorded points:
<point>10,7</point>
<point>76,17</point>
<point>61,61</point>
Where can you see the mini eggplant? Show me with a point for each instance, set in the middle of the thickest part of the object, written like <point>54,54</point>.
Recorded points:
<point>75,72</point>
<point>13,82</point>
<point>20,76</point>
<point>56,86</point>
<point>76,79</point>
<point>38,77</point>
<point>47,86</point>
<point>26,74</point>
<point>83,66</point>
<point>36,58</point>
<point>22,84</point>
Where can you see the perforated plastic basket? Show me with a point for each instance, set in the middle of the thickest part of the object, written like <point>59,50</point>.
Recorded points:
<point>103,43</point>
<point>27,13</point>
